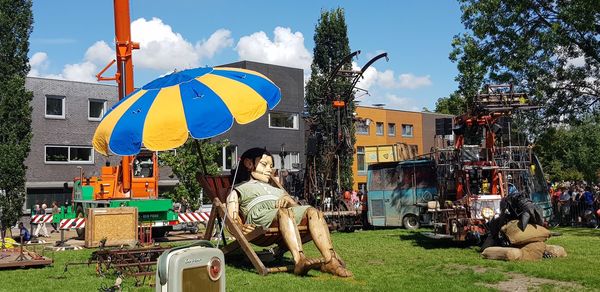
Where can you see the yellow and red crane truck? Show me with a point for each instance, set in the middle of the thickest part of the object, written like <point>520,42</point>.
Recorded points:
<point>133,183</point>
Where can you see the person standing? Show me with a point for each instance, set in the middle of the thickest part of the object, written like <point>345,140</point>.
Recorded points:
<point>55,211</point>
<point>42,225</point>
<point>35,211</point>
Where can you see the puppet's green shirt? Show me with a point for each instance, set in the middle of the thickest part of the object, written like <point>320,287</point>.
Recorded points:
<point>257,203</point>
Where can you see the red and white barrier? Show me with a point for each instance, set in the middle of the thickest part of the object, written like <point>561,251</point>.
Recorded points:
<point>194,217</point>
<point>72,223</point>
<point>37,219</point>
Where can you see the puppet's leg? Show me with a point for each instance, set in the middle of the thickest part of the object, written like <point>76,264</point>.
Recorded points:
<point>320,235</point>
<point>291,236</point>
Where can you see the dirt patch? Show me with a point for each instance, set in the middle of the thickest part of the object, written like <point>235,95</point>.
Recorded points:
<point>523,283</point>
<point>475,269</point>
<point>479,270</point>
<point>375,262</point>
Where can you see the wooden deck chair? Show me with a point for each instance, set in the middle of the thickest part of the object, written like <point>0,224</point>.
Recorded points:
<point>218,188</point>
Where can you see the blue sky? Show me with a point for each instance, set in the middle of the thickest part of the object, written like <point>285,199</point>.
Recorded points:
<point>75,39</point>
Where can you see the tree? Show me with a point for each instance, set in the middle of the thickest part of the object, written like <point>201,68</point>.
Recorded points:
<point>331,46</point>
<point>454,104</point>
<point>573,152</point>
<point>185,164</point>
<point>16,22</point>
<point>548,48</point>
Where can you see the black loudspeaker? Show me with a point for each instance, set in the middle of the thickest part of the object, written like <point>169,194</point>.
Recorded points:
<point>439,126</point>
<point>447,126</point>
<point>311,146</point>
<point>443,126</point>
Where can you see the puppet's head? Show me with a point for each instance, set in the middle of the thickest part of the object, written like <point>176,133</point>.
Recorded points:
<point>255,163</point>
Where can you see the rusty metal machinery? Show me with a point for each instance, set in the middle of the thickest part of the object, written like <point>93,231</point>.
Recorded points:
<point>482,166</point>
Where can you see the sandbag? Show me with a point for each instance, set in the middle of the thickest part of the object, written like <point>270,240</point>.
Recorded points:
<point>502,253</point>
<point>533,251</point>
<point>532,233</point>
<point>555,251</point>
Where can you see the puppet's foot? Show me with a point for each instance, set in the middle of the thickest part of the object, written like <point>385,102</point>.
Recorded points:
<point>305,265</point>
<point>336,268</point>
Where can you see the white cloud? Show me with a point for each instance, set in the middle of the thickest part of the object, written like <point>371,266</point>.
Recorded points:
<point>39,63</point>
<point>412,82</point>
<point>576,62</point>
<point>391,101</point>
<point>386,79</point>
<point>219,40</point>
<point>100,53</point>
<point>160,48</point>
<point>96,56</point>
<point>163,49</point>
<point>286,49</point>
<point>85,72</point>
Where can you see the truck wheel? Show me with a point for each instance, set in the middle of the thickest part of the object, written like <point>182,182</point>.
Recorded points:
<point>80,231</point>
<point>160,231</point>
<point>411,222</point>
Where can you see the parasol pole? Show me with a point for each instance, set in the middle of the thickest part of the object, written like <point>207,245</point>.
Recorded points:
<point>200,156</point>
<point>219,219</point>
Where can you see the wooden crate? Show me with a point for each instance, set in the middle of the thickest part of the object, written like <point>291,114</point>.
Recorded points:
<point>117,225</point>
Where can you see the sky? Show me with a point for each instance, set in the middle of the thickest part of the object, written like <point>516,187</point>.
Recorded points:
<point>74,40</point>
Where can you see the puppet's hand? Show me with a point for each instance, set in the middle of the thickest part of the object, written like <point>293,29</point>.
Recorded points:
<point>247,228</point>
<point>285,201</point>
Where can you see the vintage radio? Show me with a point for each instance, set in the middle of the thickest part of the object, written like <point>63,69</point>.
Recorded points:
<point>196,267</point>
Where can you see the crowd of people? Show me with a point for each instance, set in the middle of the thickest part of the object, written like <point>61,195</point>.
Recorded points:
<point>38,229</point>
<point>576,204</point>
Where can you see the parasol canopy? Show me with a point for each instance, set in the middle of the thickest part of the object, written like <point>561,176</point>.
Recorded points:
<point>201,103</point>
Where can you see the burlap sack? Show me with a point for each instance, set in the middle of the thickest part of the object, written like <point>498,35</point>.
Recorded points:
<point>555,251</point>
<point>531,234</point>
<point>533,251</point>
<point>502,253</point>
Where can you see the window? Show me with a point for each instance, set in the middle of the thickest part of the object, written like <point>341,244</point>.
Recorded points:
<point>407,130</point>
<point>291,161</point>
<point>379,129</point>
<point>228,158</point>
<point>69,154</point>
<point>96,109</point>
<point>143,166</point>
<point>55,107</point>
<point>362,128</point>
<point>391,129</point>
<point>283,121</point>
<point>360,160</point>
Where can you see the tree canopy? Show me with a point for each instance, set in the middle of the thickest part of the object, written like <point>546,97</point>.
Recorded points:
<point>573,152</point>
<point>185,164</point>
<point>547,48</point>
<point>16,22</point>
<point>331,46</point>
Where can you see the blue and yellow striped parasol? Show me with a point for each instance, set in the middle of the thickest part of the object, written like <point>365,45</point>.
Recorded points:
<point>203,102</point>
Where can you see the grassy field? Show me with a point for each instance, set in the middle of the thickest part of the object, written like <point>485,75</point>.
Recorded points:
<point>381,260</point>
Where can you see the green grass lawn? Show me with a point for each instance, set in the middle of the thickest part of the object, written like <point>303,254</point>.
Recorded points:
<point>381,260</point>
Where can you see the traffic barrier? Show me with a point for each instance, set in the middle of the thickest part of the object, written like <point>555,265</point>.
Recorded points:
<point>194,217</point>
<point>64,248</point>
<point>41,218</point>
<point>72,223</point>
